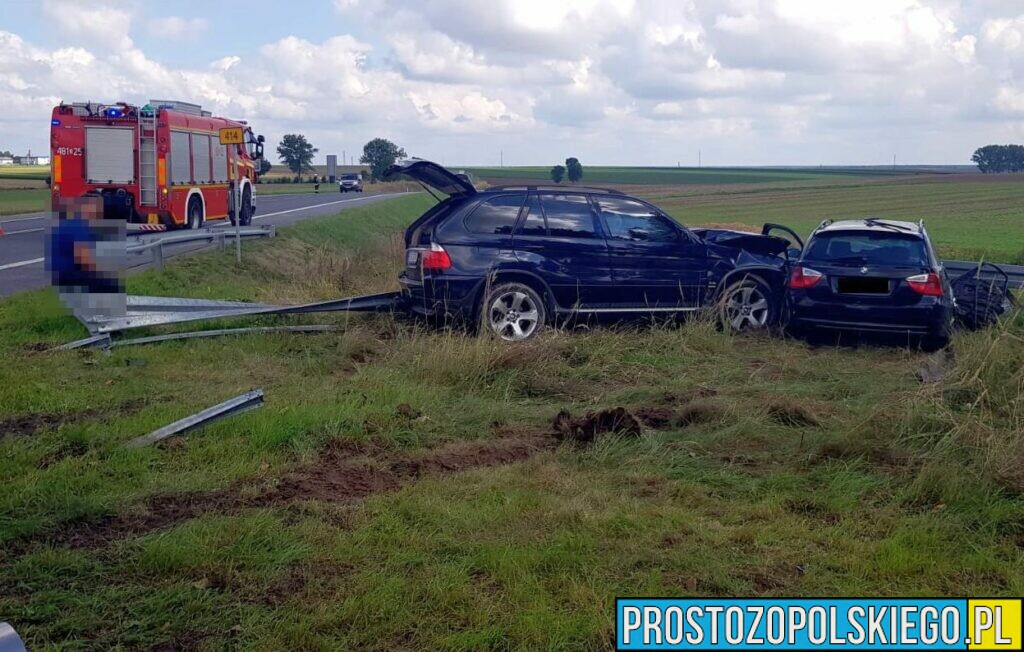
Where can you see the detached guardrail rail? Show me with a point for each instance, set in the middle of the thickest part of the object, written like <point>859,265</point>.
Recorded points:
<point>1014,273</point>
<point>220,236</point>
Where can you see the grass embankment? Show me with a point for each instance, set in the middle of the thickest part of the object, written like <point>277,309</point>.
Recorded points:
<point>400,488</point>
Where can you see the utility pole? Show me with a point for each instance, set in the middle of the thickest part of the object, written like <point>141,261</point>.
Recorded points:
<point>698,158</point>
<point>501,159</point>
<point>343,157</point>
<point>893,162</point>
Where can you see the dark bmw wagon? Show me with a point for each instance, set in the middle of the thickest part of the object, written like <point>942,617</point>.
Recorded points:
<point>872,276</point>
<point>515,258</point>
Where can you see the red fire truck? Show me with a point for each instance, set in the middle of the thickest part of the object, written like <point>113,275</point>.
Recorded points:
<point>159,164</point>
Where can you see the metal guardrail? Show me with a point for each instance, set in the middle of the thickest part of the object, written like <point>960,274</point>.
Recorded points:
<point>1015,273</point>
<point>248,401</point>
<point>220,236</point>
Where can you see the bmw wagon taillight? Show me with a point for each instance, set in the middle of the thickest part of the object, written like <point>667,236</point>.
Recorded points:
<point>802,278</point>
<point>930,285</point>
<point>436,258</point>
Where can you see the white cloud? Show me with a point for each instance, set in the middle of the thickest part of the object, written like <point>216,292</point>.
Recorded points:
<point>769,81</point>
<point>177,27</point>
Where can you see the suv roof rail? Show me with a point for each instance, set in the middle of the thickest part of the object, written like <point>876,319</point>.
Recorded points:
<point>610,191</point>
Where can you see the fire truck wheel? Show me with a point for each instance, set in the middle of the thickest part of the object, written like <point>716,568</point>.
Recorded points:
<point>246,217</point>
<point>195,214</point>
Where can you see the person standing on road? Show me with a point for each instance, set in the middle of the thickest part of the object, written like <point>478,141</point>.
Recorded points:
<point>316,183</point>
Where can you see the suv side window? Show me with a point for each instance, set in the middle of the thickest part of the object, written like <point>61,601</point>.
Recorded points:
<point>533,222</point>
<point>627,219</point>
<point>568,216</point>
<point>495,216</point>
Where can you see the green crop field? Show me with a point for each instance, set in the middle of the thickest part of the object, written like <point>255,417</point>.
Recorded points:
<point>405,487</point>
<point>967,216</point>
<point>603,175</point>
<point>19,200</point>
<point>37,172</point>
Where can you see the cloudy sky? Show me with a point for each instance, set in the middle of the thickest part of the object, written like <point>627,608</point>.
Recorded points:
<point>746,82</point>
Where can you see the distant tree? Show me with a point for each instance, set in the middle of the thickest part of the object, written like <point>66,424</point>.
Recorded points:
<point>297,153</point>
<point>6,153</point>
<point>558,173</point>
<point>265,166</point>
<point>380,154</point>
<point>999,158</point>
<point>573,169</point>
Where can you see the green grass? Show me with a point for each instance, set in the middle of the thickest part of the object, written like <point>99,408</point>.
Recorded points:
<point>801,471</point>
<point>15,201</point>
<point>38,172</point>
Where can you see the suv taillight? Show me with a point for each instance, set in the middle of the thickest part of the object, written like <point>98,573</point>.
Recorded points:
<point>436,258</point>
<point>930,285</point>
<point>804,277</point>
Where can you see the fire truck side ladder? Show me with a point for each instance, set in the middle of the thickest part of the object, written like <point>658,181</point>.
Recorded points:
<point>147,159</point>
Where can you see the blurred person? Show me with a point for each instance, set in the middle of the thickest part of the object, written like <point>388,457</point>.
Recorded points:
<point>85,256</point>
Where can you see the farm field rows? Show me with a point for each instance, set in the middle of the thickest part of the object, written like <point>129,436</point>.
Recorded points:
<point>678,176</point>
<point>969,216</point>
<point>403,487</point>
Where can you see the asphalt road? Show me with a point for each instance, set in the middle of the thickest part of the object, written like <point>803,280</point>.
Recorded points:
<point>23,242</point>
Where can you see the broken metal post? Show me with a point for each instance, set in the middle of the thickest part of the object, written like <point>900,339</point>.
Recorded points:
<point>248,401</point>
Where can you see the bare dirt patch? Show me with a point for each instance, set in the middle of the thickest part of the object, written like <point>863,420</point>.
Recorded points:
<point>346,471</point>
<point>589,427</point>
<point>29,424</point>
<point>679,411</point>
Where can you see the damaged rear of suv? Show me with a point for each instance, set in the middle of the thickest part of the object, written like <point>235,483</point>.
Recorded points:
<point>515,258</point>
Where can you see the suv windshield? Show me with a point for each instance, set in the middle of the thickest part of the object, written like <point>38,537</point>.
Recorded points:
<point>868,248</point>
<point>350,177</point>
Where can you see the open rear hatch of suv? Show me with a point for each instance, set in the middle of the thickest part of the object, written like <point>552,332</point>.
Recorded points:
<point>417,237</point>
<point>431,175</point>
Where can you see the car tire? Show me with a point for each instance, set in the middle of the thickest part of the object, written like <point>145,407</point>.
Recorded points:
<point>748,306</point>
<point>194,215</point>
<point>513,311</point>
<point>245,210</point>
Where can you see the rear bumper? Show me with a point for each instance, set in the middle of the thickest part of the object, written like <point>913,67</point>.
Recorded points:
<point>445,297</point>
<point>933,318</point>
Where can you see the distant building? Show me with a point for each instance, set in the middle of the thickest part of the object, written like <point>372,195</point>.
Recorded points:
<point>6,160</point>
<point>28,159</point>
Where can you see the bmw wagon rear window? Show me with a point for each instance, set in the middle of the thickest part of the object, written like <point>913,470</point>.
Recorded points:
<point>496,216</point>
<point>868,248</point>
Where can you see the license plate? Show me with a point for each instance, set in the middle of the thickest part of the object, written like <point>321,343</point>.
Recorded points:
<point>857,285</point>
<point>412,257</point>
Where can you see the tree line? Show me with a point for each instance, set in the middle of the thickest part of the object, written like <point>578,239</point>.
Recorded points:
<point>297,153</point>
<point>999,158</point>
<point>572,169</point>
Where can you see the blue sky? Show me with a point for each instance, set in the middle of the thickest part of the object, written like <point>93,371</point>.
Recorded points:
<point>637,82</point>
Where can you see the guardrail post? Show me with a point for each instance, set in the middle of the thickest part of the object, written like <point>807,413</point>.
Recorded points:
<point>158,255</point>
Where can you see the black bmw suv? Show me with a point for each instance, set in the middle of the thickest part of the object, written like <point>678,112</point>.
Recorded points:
<point>514,258</point>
